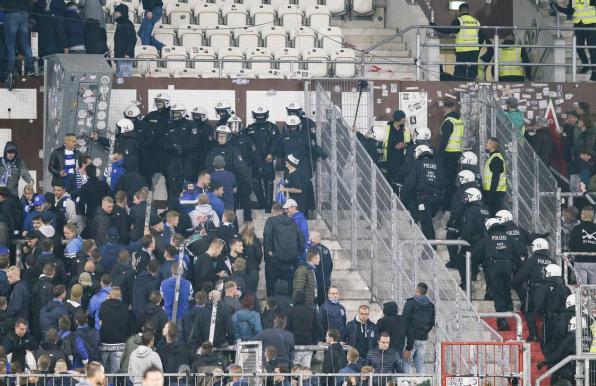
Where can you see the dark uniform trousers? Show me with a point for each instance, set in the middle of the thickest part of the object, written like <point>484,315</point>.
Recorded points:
<point>426,208</point>
<point>464,71</point>
<point>450,168</point>
<point>500,273</point>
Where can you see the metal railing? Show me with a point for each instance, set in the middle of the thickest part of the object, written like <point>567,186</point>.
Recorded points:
<point>366,218</point>
<point>527,175</point>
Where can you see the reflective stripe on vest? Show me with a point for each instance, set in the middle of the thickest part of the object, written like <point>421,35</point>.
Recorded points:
<point>456,140</point>
<point>593,345</point>
<point>467,35</point>
<point>583,12</point>
<point>386,140</point>
<point>487,175</point>
<point>507,56</point>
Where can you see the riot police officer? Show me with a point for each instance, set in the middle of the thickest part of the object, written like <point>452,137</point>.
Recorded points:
<point>234,161</point>
<point>421,136</point>
<point>158,121</point>
<point>512,229</point>
<point>205,132</point>
<point>125,141</point>
<point>265,135</point>
<point>497,252</point>
<point>308,129</point>
<point>549,302</point>
<point>248,150</point>
<point>469,161</point>
<point>465,179</point>
<point>559,327</point>
<point>422,188</point>
<point>179,142</point>
<point>224,112</point>
<point>145,139</point>
<point>532,273</point>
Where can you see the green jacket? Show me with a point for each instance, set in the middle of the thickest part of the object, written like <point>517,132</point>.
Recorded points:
<point>304,279</point>
<point>517,118</point>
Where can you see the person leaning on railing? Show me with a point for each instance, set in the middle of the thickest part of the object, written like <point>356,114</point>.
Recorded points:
<point>467,40</point>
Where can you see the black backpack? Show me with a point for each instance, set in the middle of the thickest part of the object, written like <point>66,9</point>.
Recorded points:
<point>285,242</point>
<point>423,316</point>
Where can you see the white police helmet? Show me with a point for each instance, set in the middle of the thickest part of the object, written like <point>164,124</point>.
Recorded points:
<point>539,244</point>
<point>570,301</point>
<point>422,150</point>
<point>162,101</point>
<point>223,108</point>
<point>177,112</point>
<point>224,132</point>
<point>132,111</point>
<point>504,215</point>
<point>465,177</point>
<point>235,124</point>
<point>125,125</point>
<point>422,134</point>
<point>491,222</point>
<point>293,123</point>
<point>468,158</point>
<point>199,113</point>
<point>294,108</point>
<point>473,194</point>
<point>260,113</point>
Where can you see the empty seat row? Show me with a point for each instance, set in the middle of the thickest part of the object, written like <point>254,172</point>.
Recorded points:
<point>234,59</point>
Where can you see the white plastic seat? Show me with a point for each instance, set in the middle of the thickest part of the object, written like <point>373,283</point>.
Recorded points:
<point>337,7</point>
<point>277,4</point>
<point>174,54</point>
<point>165,34</point>
<point>196,54</point>
<point>347,69</point>
<point>221,3</point>
<point>270,74</point>
<point>317,62</point>
<point>260,59</point>
<point>210,74</point>
<point>363,7</point>
<point>304,4</point>
<point>274,37</point>
<point>263,15</point>
<point>231,53</point>
<point>190,36</point>
<point>178,14</point>
<point>249,4</point>
<point>235,15</point>
<point>110,40</point>
<point>194,4</point>
<point>303,38</point>
<point>147,53</point>
<point>246,73</point>
<point>318,16</point>
<point>290,16</point>
<point>157,72</point>
<point>300,74</point>
<point>219,37</point>
<point>247,38</point>
<point>289,56</point>
<point>206,15</point>
<point>167,2</point>
<point>186,73</point>
<point>331,38</point>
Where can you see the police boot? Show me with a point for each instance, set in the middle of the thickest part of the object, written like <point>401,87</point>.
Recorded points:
<point>502,325</point>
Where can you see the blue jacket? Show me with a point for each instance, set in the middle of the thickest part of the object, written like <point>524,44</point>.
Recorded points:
<point>351,368</point>
<point>333,315</point>
<point>18,305</point>
<point>168,289</point>
<point>363,337</point>
<point>82,352</point>
<point>50,313</point>
<point>302,223</point>
<point>117,172</point>
<point>28,223</point>
<point>95,304</point>
<point>142,286</point>
<point>109,254</point>
<point>228,181</point>
<point>73,247</point>
<point>189,200</point>
<point>247,324</point>
<point>217,204</point>
<point>75,27</point>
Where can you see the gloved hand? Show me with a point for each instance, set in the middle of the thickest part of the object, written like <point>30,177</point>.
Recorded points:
<point>540,365</point>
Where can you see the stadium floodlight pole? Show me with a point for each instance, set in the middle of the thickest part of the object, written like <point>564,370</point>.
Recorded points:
<point>178,280</point>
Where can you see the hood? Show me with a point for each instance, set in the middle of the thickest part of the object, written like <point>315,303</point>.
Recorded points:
<point>123,9</point>
<point>121,267</point>
<point>11,146</point>
<point>281,219</point>
<point>152,310</point>
<point>118,163</point>
<point>282,287</point>
<point>143,352</point>
<point>204,209</point>
<point>422,299</point>
<point>390,309</point>
<point>53,305</point>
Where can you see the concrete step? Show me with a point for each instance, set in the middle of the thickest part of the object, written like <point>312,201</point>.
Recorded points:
<point>363,40</point>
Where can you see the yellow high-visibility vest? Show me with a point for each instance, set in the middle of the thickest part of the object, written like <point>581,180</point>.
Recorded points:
<point>508,56</point>
<point>467,35</point>
<point>583,12</point>
<point>386,140</point>
<point>456,140</point>
<point>593,345</point>
<point>487,174</point>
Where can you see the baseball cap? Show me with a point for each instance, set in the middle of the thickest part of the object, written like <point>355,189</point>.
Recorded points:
<point>290,203</point>
<point>39,200</point>
<point>293,160</point>
<point>219,162</point>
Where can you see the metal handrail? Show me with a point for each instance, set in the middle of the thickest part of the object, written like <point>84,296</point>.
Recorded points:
<point>511,314</point>
<point>565,256</point>
<point>558,366</point>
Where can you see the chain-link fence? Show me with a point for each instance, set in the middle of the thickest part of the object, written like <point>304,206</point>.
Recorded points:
<point>527,175</point>
<point>387,247</point>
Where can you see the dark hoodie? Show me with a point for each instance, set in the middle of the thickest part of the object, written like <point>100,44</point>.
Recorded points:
<point>51,350</point>
<point>157,316</point>
<point>303,321</point>
<point>131,181</point>
<point>115,327</point>
<point>392,324</point>
<point>419,317</point>
<point>125,37</point>
<point>282,296</point>
<point>17,171</point>
<point>541,142</point>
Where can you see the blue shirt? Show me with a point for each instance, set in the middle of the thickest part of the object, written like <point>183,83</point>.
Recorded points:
<point>168,291</point>
<point>226,179</point>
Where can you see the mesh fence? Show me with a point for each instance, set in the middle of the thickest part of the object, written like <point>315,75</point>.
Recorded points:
<point>387,248</point>
<point>527,175</point>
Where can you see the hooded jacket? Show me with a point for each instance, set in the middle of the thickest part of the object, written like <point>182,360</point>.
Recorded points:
<point>202,211</point>
<point>285,246</point>
<point>419,316</point>
<point>114,321</point>
<point>303,321</point>
<point>282,296</point>
<point>142,286</point>
<point>173,356</point>
<point>392,324</point>
<point>141,359</point>
<point>50,313</point>
<point>333,315</point>
<point>17,167</point>
<point>157,316</point>
<point>247,323</point>
<point>542,143</point>
<point>95,303</point>
<point>361,336</point>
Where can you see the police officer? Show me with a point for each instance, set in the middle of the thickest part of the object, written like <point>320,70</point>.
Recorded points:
<point>224,112</point>
<point>533,272</point>
<point>206,133</point>
<point>565,348</point>
<point>179,142</point>
<point>126,140</point>
<point>397,138</point>
<point>469,161</point>
<point>583,13</point>
<point>422,188</point>
<point>467,40</point>
<point>549,302</point>
<point>145,140</point>
<point>494,176</point>
<point>248,150</point>
<point>421,136</point>
<point>497,251</point>
<point>308,128</point>
<point>265,135</point>
<point>234,161</point>
<point>559,327</point>
<point>471,229</point>
<point>450,146</point>
<point>158,121</point>
<point>465,179</point>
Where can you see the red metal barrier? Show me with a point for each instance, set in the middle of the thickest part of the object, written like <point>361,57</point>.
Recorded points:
<point>482,364</point>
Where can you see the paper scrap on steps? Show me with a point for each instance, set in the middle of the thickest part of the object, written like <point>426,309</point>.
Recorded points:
<point>559,101</point>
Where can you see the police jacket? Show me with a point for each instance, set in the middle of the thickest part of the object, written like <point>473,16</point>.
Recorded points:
<point>410,158</point>
<point>247,148</point>
<point>145,136</point>
<point>583,239</point>
<point>181,138</point>
<point>158,121</point>
<point>533,270</point>
<point>235,163</point>
<point>265,136</point>
<point>472,224</point>
<point>550,296</point>
<point>458,204</point>
<point>518,233</point>
<point>425,177</point>
<point>205,131</point>
<point>496,246</point>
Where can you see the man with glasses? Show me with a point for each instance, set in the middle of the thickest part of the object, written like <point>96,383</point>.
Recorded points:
<point>360,332</point>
